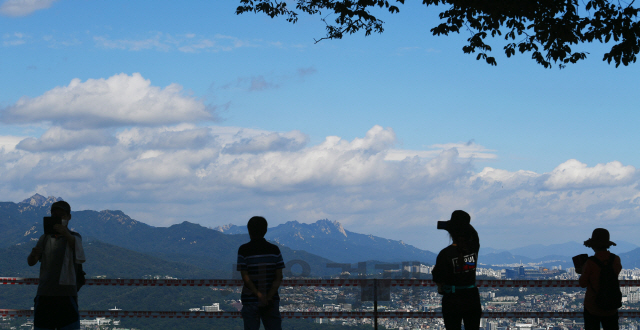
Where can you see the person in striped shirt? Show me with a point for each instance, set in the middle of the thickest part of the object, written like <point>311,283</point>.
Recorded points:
<point>260,263</point>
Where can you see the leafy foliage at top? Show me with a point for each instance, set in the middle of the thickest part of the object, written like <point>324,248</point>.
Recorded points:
<point>548,29</point>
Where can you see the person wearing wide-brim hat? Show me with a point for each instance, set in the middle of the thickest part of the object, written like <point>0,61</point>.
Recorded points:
<point>593,315</point>
<point>455,274</point>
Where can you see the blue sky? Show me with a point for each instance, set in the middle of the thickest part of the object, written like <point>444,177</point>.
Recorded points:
<point>174,112</point>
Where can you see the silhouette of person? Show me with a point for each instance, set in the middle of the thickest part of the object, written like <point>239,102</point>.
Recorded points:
<point>260,263</point>
<point>56,302</point>
<point>455,274</point>
<point>590,279</point>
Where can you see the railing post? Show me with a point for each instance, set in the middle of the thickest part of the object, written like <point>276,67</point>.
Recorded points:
<point>375,304</point>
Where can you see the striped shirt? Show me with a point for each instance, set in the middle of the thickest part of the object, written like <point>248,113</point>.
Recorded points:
<point>261,259</point>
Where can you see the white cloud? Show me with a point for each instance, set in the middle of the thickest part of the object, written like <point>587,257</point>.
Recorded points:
<point>199,46</point>
<point>154,42</point>
<point>291,141</point>
<point>61,41</point>
<point>57,138</point>
<point>23,7</point>
<point>120,100</point>
<point>574,174</point>
<point>179,137</point>
<point>8,142</point>
<point>490,175</point>
<point>469,150</point>
<point>187,43</point>
<point>169,174</point>
<point>335,162</point>
<point>14,39</point>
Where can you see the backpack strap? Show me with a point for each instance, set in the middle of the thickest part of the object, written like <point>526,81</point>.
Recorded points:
<point>600,264</point>
<point>597,261</point>
<point>612,258</point>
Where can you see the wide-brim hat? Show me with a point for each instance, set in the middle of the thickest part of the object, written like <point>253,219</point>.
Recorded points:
<point>599,238</point>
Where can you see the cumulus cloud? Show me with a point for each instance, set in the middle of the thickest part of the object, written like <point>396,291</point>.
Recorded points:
<point>574,174</point>
<point>57,138</point>
<point>8,142</point>
<point>179,137</point>
<point>469,150</point>
<point>291,141</point>
<point>215,175</point>
<point>335,162</point>
<point>491,175</point>
<point>120,100</point>
<point>23,7</point>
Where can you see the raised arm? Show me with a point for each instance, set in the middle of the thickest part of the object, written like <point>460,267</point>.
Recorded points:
<point>34,256</point>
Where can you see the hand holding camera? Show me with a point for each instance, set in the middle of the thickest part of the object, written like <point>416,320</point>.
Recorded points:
<point>60,229</point>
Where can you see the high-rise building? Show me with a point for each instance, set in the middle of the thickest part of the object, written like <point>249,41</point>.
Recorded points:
<point>213,308</point>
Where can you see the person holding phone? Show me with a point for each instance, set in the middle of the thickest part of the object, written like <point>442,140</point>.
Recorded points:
<point>455,274</point>
<point>56,302</point>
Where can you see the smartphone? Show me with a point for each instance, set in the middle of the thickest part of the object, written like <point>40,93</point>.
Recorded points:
<point>48,224</point>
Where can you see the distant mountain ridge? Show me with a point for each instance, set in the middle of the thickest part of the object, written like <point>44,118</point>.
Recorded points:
<point>318,243</point>
<point>330,240</point>
<point>568,249</point>
<point>327,238</point>
<point>186,242</point>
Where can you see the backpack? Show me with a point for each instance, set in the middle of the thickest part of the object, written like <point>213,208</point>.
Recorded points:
<point>609,296</point>
<point>80,274</point>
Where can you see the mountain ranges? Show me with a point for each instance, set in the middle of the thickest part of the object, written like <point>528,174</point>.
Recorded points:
<point>189,250</point>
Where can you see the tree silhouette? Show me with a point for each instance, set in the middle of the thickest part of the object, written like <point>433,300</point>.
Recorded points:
<point>548,29</point>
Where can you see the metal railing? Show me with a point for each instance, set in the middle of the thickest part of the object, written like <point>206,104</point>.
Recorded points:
<point>315,283</point>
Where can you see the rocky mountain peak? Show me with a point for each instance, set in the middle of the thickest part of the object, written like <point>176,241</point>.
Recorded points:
<point>292,223</point>
<point>326,225</point>
<point>38,200</point>
<point>340,228</point>
<point>223,228</point>
<point>117,216</point>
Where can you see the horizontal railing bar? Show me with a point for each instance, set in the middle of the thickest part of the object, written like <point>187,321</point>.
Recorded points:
<point>317,282</point>
<point>337,315</point>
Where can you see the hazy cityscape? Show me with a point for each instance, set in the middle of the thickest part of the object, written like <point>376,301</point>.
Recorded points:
<point>348,299</point>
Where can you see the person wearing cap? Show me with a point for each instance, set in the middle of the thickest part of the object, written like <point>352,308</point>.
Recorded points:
<point>455,274</point>
<point>590,279</point>
<point>56,302</point>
